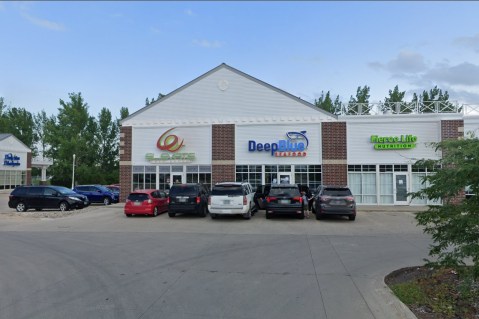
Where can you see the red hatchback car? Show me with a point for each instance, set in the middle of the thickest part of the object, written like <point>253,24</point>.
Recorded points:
<point>146,202</point>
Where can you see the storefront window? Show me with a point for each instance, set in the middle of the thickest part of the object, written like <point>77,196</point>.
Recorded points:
<point>362,181</point>
<point>10,179</point>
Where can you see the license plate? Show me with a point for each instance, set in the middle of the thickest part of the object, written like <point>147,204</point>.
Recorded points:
<point>226,202</point>
<point>136,203</point>
<point>284,201</point>
<point>336,202</point>
<point>182,200</point>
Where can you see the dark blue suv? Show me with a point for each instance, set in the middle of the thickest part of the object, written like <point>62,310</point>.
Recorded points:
<point>97,194</point>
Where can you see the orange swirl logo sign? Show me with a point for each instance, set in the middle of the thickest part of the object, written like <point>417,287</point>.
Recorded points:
<point>170,143</point>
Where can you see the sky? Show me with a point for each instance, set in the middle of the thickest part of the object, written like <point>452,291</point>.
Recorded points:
<point>117,54</point>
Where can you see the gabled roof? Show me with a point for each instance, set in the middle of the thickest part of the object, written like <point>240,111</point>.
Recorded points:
<point>225,66</point>
<point>4,136</point>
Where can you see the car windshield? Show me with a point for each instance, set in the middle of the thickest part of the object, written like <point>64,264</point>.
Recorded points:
<point>183,190</point>
<point>227,190</point>
<point>65,191</point>
<point>138,197</point>
<point>284,191</point>
<point>337,192</point>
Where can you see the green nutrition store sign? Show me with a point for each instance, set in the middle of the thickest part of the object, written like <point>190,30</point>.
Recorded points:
<point>400,142</point>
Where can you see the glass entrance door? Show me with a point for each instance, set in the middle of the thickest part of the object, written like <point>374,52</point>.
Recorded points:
<point>284,178</point>
<point>400,189</point>
<point>177,178</point>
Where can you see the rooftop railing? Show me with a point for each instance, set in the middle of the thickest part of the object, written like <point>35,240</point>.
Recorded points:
<point>409,108</point>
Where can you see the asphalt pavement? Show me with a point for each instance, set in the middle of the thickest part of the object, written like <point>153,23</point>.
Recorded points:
<point>100,264</point>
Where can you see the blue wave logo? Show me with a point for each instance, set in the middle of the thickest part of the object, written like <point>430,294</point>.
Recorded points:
<point>295,136</point>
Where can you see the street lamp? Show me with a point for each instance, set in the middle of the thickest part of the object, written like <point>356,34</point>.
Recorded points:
<point>73,174</point>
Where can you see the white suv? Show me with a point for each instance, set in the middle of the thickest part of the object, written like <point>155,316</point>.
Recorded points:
<point>231,198</point>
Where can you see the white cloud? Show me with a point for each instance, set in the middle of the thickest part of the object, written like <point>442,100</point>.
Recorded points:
<point>406,62</point>
<point>472,42</point>
<point>47,24</point>
<point>208,44</point>
<point>462,74</point>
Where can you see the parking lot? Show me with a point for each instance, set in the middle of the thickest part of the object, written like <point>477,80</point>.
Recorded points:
<point>99,264</point>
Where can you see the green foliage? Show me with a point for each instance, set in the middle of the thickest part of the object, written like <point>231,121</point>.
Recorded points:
<point>326,103</point>
<point>395,102</point>
<point>409,293</point>
<point>360,103</point>
<point>454,226</point>
<point>19,122</point>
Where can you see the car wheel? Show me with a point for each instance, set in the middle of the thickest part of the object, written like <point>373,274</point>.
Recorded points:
<point>106,201</point>
<point>64,206</point>
<point>21,207</point>
<point>128,215</point>
<point>301,216</point>
<point>248,214</point>
<point>171,214</point>
<point>155,211</point>
<point>38,209</point>
<point>213,216</point>
<point>352,217</point>
<point>203,212</point>
<point>268,215</point>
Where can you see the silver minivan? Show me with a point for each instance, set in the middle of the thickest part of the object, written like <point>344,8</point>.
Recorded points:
<point>231,198</point>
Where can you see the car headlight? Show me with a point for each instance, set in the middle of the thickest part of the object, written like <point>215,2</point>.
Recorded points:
<point>74,198</point>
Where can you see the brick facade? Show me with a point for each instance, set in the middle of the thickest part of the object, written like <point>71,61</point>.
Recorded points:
<point>223,153</point>
<point>29,169</point>
<point>125,161</point>
<point>453,129</point>
<point>334,150</point>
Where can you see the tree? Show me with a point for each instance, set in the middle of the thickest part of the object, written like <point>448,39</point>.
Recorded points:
<point>454,226</point>
<point>324,102</point>
<point>360,103</point>
<point>108,140</point>
<point>19,122</point>
<point>434,100</point>
<point>73,131</point>
<point>395,102</point>
<point>148,102</point>
<point>40,122</point>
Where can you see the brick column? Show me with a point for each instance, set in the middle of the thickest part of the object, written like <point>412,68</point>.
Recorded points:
<point>223,153</point>
<point>453,129</point>
<point>125,161</point>
<point>334,169</point>
<point>29,169</point>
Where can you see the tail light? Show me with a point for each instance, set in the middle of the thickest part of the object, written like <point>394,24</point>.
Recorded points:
<point>350,198</point>
<point>269,199</point>
<point>198,200</point>
<point>298,199</point>
<point>168,200</point>
<point>209,200</point>
<point>245,200</point>
<point>325,198</point>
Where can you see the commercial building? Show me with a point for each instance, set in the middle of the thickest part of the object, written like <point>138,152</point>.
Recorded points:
<point>229,126</point>
<point>16,168</point>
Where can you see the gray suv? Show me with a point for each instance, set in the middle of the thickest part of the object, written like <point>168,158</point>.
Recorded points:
<point>334,200</point>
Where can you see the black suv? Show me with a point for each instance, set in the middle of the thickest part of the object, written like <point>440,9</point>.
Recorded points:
<point>334,200</point>
<point>39,197</point>
<point>188,198</point>
<point>284,199</point>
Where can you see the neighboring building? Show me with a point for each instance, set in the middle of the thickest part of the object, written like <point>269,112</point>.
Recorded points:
<point>228,126</point>
<point>16,168</point>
